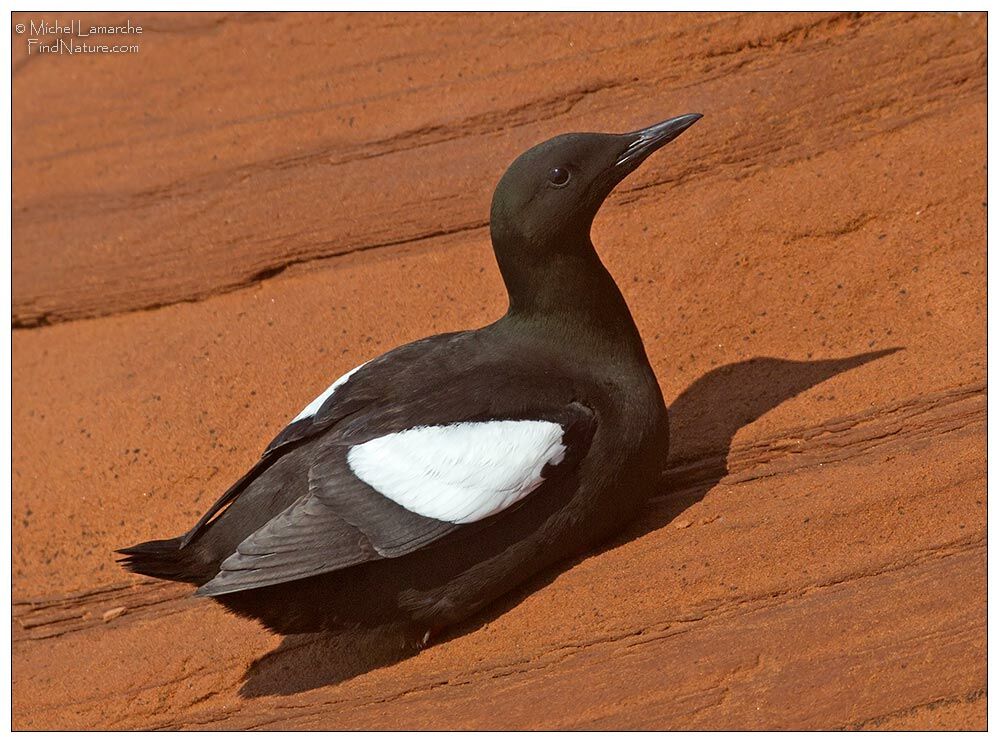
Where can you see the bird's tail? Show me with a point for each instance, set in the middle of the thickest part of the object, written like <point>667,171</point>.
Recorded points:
<point>163,558</point>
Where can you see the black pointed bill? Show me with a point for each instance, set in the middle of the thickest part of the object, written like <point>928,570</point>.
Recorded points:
<point>646,141</point>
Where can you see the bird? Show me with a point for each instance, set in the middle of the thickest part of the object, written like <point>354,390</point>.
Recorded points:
<point>421,486</point>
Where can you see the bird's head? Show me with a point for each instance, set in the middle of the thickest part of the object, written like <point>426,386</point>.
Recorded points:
<point>548,197</point>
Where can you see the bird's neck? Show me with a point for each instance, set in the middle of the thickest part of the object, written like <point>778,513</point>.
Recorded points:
<point>570,296</point>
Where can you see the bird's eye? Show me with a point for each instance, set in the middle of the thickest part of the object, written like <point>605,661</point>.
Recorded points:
<point>558,177</point>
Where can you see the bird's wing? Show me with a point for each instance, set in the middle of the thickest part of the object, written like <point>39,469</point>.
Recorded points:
<point>396,492</point>
<point>348,395</point>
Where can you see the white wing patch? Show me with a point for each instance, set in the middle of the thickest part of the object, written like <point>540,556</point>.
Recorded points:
<point>461,472</point>
<point>313,407</point>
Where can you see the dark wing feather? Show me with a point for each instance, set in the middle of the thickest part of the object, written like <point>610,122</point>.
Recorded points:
<point>294,431</point>
<point>391,529</point>
<point>341,522</point>
<point>228,497</point>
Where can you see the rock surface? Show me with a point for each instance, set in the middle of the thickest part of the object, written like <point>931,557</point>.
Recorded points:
<point>207,232</point>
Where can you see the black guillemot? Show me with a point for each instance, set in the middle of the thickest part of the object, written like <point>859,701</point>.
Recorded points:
<point>427,482</point>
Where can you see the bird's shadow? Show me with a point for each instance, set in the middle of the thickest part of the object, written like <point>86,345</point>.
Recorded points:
<point>704,419</point>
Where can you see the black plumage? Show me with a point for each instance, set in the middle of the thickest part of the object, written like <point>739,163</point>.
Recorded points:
<point>302,542</point>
